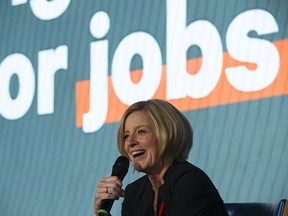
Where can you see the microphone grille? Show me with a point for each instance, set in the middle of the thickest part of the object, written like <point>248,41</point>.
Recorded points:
<point>124,161</point>
<point>120,167</point>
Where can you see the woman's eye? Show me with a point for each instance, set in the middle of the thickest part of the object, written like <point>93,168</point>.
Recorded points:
<point>141,132</point>
<point>125,137</point>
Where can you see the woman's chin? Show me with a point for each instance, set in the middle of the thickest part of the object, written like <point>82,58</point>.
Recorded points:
<point>139,167</point>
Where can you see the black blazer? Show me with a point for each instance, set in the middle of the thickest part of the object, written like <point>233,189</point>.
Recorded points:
<point>186,191</point>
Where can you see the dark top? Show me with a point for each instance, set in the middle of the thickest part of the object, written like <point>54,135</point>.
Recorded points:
<point>186,191</point>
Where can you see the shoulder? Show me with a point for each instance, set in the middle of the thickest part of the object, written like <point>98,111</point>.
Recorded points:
<point>187,188</point>
<point>181,169</point>
<point>139,183</point>
<point>186,177</point>
<point>139,188</point>
<point>139,191</point>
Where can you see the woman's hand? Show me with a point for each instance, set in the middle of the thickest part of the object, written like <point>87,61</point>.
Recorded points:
<point>107,188</point>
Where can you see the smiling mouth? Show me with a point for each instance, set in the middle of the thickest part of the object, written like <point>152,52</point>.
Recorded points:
<point>137,153</point>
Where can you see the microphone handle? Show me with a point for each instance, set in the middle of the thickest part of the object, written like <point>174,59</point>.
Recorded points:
<point>103,212</point>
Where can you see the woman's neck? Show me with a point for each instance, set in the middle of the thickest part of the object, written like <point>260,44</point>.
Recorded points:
<point>157,179</point>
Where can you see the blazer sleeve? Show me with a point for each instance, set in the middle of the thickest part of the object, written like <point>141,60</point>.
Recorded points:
<point>126,205</point>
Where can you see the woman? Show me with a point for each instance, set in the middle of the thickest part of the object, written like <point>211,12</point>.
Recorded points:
<point>157,138</point>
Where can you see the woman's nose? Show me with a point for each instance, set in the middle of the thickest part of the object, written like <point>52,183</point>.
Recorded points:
<point>131,145</point>
<point>132,140</point>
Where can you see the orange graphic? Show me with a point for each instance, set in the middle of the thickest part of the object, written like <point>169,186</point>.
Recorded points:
<point>223,93</point>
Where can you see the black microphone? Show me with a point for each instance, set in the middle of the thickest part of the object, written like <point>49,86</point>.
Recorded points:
<point>120,169</point>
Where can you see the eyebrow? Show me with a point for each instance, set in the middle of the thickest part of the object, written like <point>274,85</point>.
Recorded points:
<point>137,127</point>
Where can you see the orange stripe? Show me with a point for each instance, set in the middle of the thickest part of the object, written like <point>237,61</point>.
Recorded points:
<point>223,93</point>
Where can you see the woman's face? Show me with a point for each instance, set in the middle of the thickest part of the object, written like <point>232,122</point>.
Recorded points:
<point>141,142</point>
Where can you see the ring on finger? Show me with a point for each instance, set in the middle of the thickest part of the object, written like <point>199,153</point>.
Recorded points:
<point>106,189</point>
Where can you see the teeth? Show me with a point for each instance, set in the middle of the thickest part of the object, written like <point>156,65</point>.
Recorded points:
<point>134,153</point>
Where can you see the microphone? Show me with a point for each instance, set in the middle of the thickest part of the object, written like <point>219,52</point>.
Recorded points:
<point>120,169</point>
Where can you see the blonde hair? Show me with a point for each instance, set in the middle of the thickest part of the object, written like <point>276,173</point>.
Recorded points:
<point>173,131</point>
